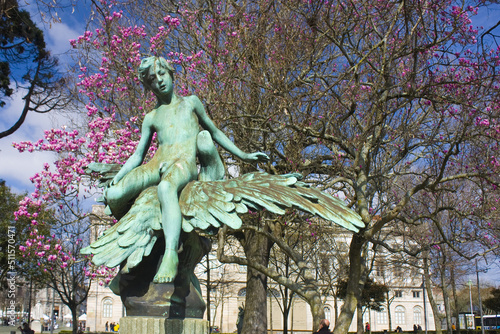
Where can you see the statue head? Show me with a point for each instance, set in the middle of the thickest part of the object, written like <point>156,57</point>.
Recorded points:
<point>153,63</point>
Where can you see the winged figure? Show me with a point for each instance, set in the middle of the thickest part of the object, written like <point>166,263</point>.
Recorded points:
<point>159,200</point>
<point>209,205</point>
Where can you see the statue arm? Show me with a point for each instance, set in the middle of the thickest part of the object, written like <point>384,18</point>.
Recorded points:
<point>220,138</point>
<point>140,152</point>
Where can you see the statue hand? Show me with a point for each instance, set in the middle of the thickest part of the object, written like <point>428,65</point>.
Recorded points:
<point>256,156</point>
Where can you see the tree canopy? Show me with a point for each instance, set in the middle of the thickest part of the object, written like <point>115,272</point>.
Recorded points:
<point>26,65</point>
<point>493,302</point>
<point>372,297</point>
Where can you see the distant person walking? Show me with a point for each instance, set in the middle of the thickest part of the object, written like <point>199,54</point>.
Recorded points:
<point>367,327</point>
<point>26,329</point>
<point>323,327</point>
<point>239,321</point>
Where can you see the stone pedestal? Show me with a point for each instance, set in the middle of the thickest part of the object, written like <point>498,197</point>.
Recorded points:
<point>156,325</point>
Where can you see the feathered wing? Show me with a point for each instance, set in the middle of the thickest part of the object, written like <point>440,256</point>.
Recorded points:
<point>210,204</point>
<point>133,237</point>
<point>217,203</point>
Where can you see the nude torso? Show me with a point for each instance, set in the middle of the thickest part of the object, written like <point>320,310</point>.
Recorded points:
<point>177,127</point>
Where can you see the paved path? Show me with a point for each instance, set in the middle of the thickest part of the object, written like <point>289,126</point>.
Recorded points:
<point>8,329</point>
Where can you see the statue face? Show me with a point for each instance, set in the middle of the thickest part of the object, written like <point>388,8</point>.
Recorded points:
<point>160,81</point>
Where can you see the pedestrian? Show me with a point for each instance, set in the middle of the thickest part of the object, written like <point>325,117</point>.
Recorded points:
<point>239,321</point>
<point>367,327</point>
<point>26,329</point>
<point>107,326</point>
<point>323,327</point>
<point>415,328</point>
<point>399,329</point>
<point>419,328</point>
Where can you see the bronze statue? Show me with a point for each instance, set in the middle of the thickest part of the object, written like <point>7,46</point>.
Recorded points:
<point>167,194</point>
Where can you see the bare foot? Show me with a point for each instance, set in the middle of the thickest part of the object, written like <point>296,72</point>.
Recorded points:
<point>168,267</point>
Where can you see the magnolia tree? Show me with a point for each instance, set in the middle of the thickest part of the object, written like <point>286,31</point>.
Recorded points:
<point>381,101</point>
<point>50,253</point>
<point>58,261</point>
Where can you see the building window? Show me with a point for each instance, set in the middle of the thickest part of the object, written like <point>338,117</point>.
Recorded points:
<point>417,315</point>
<point>213,311</point>
<point>107,308</point>
<point>328,313</point>
<point>398,271</point>
<point>382,317</point>
<point>398,294</point>
<point>366,316</point>
<point>380,266</point>
<point>416,294</point>
<point>400,315</point>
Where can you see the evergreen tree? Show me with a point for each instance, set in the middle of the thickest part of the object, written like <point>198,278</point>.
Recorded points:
<point>26,64</point>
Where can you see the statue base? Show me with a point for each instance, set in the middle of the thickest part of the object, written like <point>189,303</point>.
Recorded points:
<point>167,300</point>
<point>176,300</point>
<point>155,325</point>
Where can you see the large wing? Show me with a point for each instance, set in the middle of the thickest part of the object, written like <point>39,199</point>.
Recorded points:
<point>206,204</point>
<point>133,237</point>
<point>209,204</point>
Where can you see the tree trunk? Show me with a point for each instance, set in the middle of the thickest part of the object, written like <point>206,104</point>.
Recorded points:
<point>221,313</point>
<point>428,289</point>
<point>446,297</point>
<point>335,305</point>
<point>317,309</point>
<point>389,314</point>
<point>356,282</point>
<point>257,248</point>
<point>359,319</point>
<point>75,318</point>
<point>285,320</point>
<point>287,303</point>
<point>454,290</point>
<point>287,298</point>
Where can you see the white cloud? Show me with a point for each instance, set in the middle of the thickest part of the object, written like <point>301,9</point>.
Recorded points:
<point>58,38</point>
<point>16,168</point>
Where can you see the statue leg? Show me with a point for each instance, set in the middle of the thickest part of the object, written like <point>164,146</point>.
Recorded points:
<point>119,196</point>
<point>212,168</point>
<point>173,180</point>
